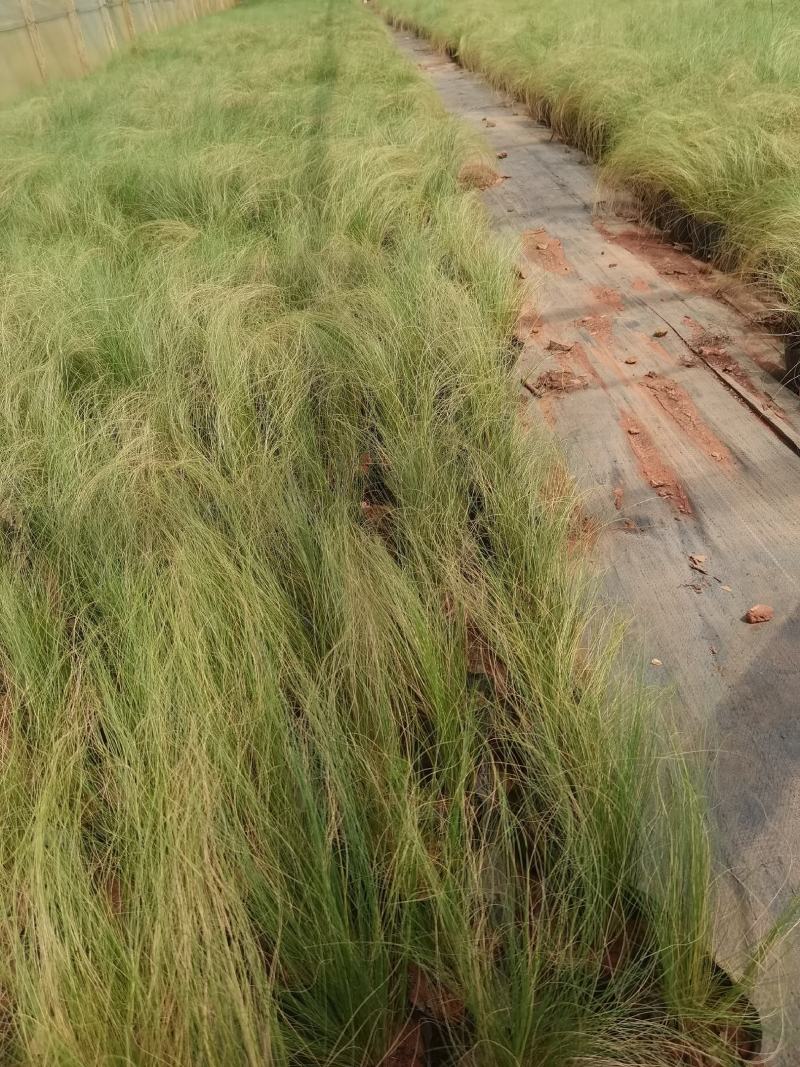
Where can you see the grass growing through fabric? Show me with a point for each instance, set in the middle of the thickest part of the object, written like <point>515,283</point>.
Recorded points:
<point>695,100</point>
<point>306,756</point>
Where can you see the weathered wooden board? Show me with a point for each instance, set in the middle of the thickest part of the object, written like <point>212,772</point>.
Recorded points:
<point>684,444</point>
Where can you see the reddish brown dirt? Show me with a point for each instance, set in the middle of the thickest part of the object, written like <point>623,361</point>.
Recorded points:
<point>680,407</point>
<point>712,350</point>
<point>599,326</point>
<point>619,493</point>
<point>607,298</point>
<point>545,251</point>
<point>572,357</point>
<point>556,381</point>
<point>654,467</point>
<point>698,277</point>
<point>702,337</point>
<point>607,304</point>
<point>639,285</point>
<point>673,262</point>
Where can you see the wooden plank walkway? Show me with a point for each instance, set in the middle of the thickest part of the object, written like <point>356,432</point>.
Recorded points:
<point>652,371</point>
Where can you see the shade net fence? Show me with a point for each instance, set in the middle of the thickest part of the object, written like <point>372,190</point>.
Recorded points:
<point>45,39</point>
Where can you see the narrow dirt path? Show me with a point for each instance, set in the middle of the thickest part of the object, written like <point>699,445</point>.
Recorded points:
<point>650,368</point>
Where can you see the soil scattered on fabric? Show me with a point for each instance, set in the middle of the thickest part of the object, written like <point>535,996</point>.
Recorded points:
<point>657,472</point>
<point>608,298</point>
<point>556,381</point>
<point>599,326</point>
<point>711,347</point>
<point>680,407</point>
<point>662,254</point>
<point>547,252</point>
